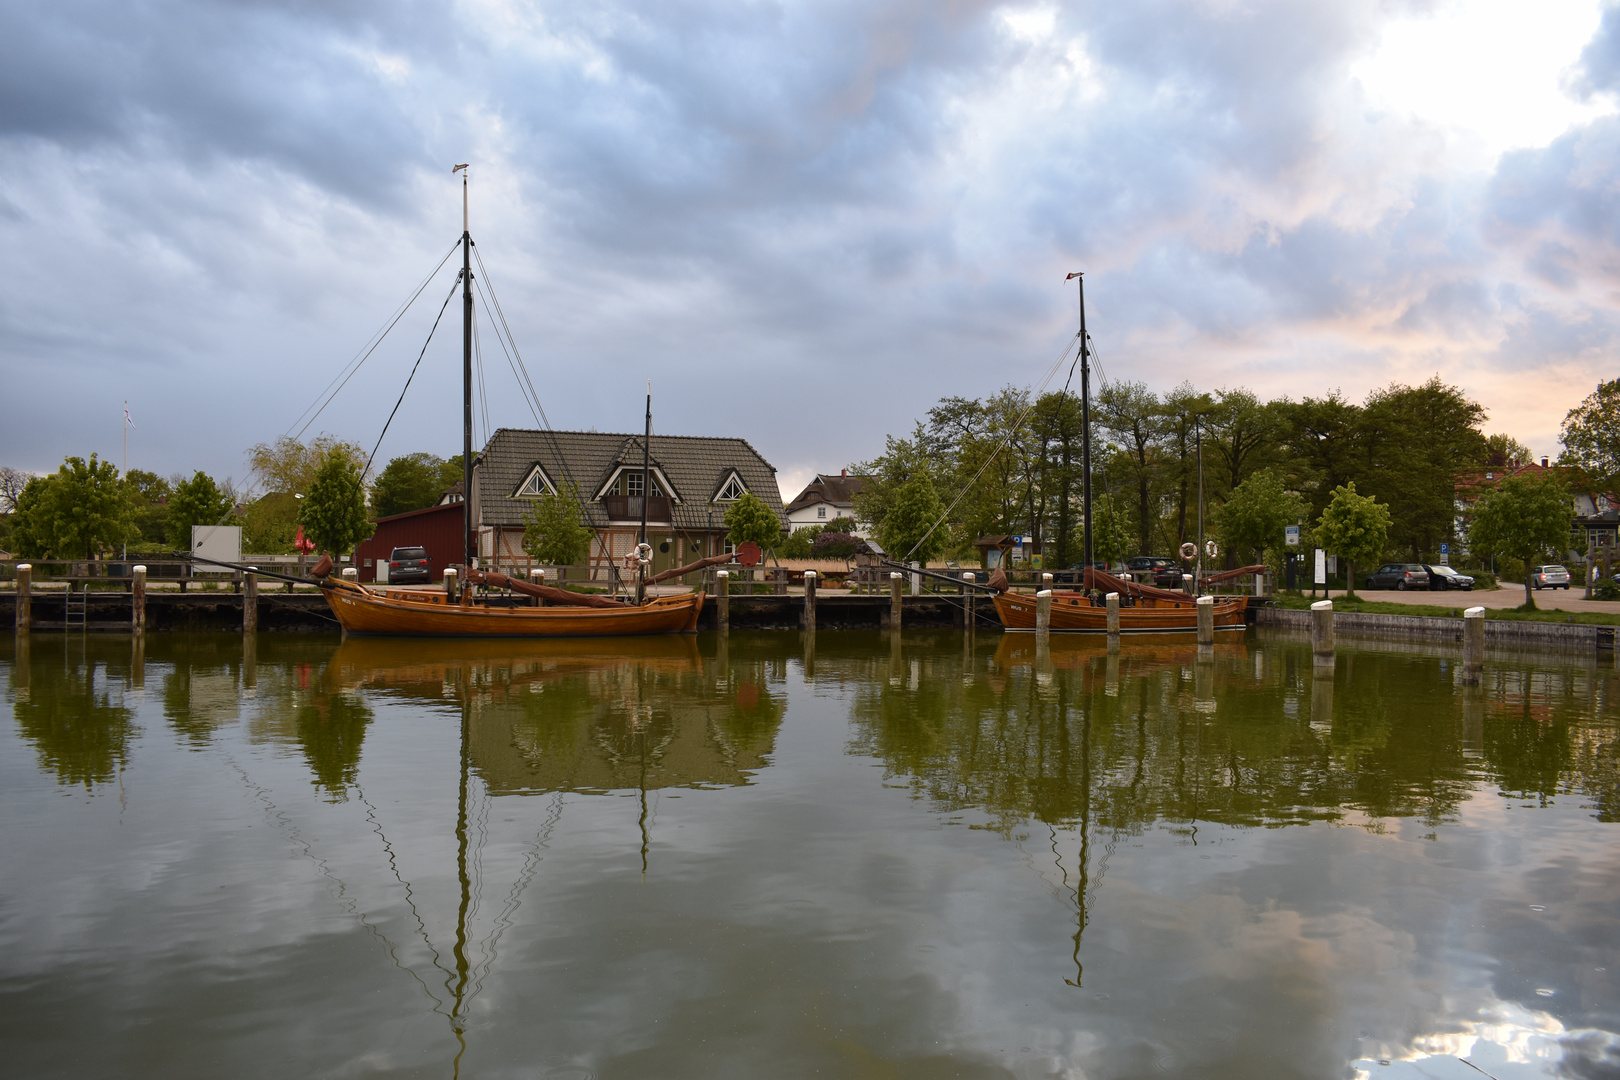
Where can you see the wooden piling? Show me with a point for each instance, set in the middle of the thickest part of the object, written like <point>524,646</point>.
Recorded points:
<point>351,575</point>
<point>1206,620</point>
<point>722,601</point>
<point>1112,600</point>
<point>137,599</point>
<point>1473,645</point>
<point>250,653</point>
<point>894,600</point>
<point>1322,631</point>
<point>809,600</point>
<point>969,594</point>
<point>25,609</point>
<point>1046,581</point>
<point>250,603</point>
<point>450,579</point>
<point>1043,613</point>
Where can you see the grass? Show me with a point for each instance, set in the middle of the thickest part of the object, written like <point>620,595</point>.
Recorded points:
<point>1381,607</point>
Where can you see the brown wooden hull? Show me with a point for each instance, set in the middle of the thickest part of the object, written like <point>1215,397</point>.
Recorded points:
<point>427,614</point>
<point>1073,613</point>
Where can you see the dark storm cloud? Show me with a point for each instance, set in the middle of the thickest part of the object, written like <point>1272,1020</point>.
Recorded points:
<point>808,193</point>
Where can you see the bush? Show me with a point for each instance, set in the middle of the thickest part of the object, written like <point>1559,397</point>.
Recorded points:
<point>1606,590</point>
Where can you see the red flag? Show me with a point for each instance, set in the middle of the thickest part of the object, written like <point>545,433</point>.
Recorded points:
<point>300,543</point>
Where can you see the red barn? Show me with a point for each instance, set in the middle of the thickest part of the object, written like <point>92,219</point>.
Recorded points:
<point>438,528</point>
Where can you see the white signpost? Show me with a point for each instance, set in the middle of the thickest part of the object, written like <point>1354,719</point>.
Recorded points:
<point>1292,534</point>
<point>1445,554</point>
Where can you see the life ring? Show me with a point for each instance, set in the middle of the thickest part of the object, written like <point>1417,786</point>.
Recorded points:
<point>644,553</point>
<point>1211,549</point>
<point>1189,550</point>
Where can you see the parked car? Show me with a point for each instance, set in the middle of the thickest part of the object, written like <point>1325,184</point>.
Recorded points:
<point>1444,577</point>
<point>408,564</point>
<point>1166,572</point>
<point>1551,576</point>
<point>1399,576</point>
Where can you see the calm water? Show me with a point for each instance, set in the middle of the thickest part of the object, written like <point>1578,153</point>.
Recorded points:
<point>856,855</point>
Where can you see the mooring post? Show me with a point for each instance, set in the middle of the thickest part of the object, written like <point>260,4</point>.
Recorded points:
<point>1206,620</point>
<point>250,654</point>
<point>1322,631</point>
<point>25,579</point>
<point>969,617</point>
<point>809,599</point>
<point>250,603</point>
<point>1043,612</point>
<point>450,576</point>
<point>722,601</point>
<point>351,575</point>
<point>916,579</point>
<point>779,578</point>
<point>894,600</point>
<point>137,599</point>
<point>1473,645</point>
<point>1112,600</point>
<point>1187,584</point>
<point>1046,581</point>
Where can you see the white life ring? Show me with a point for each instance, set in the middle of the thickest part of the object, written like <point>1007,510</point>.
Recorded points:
<point>630,563</point>
<point>1189,550</point>
<point>644,553</point>
<point>1211,549</point>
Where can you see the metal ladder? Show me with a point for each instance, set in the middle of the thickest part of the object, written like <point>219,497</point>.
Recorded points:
<point>75,608</point>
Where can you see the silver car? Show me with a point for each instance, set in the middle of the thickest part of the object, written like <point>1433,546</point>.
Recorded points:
<point>1551,576</point>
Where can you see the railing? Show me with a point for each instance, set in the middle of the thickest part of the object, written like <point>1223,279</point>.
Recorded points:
<point>116,573</point>
<point>660,508</point>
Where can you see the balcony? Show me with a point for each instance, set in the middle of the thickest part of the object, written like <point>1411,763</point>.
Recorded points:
<point>627,509</point>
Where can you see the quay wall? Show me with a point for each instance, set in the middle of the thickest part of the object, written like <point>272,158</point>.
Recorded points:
<point>307,612</point>
<point>1499,633</point>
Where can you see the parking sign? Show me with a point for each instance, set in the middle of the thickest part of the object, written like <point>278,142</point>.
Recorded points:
<point>1293,536</point>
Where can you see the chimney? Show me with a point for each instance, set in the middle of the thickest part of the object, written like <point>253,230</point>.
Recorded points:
<point>1544,462</point>
<point>845,472</point>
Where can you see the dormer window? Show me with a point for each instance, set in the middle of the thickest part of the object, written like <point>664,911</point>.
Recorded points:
<point>536,485</point>
<point>731,490</point>
<point>630,484</point>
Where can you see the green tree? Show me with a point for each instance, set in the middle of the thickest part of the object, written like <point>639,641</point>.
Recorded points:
<point>840,524</point>
<point>1256,514</point>
<point>149,495</point>
<point>798,545</point>
<point>554,532</point>
<point>77,512</point>
<point>1108,529</point>
<point>1591,435</point>
<point>291,466</point>
<point>333,514</point>
<point>750,519</point>
<point>1523,517</point>
<point>1355,528</point>
<point>914,509</point>
<point>270,523</point>
<point>411,482</point>
<point>1133,417</point>
<point>1500,450</point>
<point>1412,442</point>
<point>197,501</point>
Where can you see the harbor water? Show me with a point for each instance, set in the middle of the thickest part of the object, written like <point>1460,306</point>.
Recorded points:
<point>837,854</point>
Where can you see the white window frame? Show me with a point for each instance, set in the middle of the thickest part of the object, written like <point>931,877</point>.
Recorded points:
<point>610,486</point>
<point>734,477</point>
<point>537,473</point>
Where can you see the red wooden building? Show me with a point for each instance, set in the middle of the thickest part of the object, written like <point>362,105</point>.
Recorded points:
<point>438,528</point>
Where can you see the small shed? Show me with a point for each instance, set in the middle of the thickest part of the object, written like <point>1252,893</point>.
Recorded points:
<point>438,529</point>
<point>994,551</point>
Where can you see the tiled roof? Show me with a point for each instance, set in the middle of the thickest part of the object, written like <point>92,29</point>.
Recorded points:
<point>697,467</point>
<point>838,490</point>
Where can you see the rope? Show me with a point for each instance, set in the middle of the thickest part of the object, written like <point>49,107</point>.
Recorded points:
<point>1007,439</point>
<point>445,307</point>
<point>375,340</point>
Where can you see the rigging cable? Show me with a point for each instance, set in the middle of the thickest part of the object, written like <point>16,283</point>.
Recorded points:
<point>1013,430</point>
<point>374,341</point>
<point>407,386</point>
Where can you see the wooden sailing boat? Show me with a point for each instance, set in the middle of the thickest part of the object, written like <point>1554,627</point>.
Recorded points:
<point>556,612</point>
<point>1143,608</point>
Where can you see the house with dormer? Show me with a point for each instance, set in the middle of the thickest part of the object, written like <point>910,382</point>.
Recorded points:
<point>690,482</point>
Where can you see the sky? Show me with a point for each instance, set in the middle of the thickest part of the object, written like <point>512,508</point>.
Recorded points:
<point>804,223</point>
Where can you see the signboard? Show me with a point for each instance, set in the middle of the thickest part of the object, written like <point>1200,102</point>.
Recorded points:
<point>1445,554</point>
<point>222,543</point>
<point>1292,533</point>
<point>1321,567</point>
<point>1333,566</point>
<point>1035,561</point>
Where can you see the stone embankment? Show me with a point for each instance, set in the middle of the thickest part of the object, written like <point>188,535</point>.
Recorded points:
<point>1499,633</point>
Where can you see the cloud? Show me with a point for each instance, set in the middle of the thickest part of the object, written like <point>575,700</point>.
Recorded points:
<point>867,206</point>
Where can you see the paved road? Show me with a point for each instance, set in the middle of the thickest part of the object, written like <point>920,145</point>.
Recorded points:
<point>1508,597</point>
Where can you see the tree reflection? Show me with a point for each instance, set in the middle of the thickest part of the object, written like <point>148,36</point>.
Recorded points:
<point>73,712</point>
<point>330,728</point>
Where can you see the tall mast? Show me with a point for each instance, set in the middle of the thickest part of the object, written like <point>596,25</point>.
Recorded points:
<point>1085,424</point>
<point>466,378</point>
<point>646,491</point>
